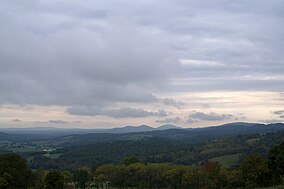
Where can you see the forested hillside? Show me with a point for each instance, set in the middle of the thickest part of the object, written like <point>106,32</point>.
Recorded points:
<point>254,171</point>
<point>229,156</point>
<point>227,143</point>
<point>158,150</point>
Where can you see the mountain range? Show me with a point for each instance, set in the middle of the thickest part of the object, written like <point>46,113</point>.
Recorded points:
<point>86,136</point>
<point>67,131</point>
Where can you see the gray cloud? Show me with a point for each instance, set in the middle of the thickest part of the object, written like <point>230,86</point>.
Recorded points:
<point>279,112</point>
<point>272,121</point>
<point>77,54</point>
<point>230,84</point>
<point>172,102</point>
<point>85,110</point>
<point>77,122</point>
<point>77,65</point>
<point>209,116</point>
<point>57,122</point>
<point>189,120</point>
<point>115,113</point>
<point>133,112</point>
<point>175,120</point>
<point>240,117</point>
<point>16,120</point>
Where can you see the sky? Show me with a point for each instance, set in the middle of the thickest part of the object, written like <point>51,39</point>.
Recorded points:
<point>103,64</point>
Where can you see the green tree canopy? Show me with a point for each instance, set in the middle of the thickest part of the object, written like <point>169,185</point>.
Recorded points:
<point>276,163</point>
<point>255,172</point>
<point>81,177</point>
<point>14,172</point>
<point>54,180</point>
<point>131,160</point>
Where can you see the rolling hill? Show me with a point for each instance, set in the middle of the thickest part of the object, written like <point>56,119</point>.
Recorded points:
<point>89,136</point>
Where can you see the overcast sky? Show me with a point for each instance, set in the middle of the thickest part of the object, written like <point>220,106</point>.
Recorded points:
<point>98,64</point>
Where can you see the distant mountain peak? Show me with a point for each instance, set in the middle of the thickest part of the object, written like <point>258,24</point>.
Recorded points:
<point>128,129</point>
<point>241,123</point>
<point>167,126</point>
<point>143,126</point>
<point>140,128</point>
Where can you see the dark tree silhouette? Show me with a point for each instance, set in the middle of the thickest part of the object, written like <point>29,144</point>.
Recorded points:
<point>54,180</point>
<point>276,163</point>
<point>14,172</point>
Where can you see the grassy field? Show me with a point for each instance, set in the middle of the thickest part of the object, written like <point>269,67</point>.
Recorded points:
<point>52,156</point>
<point>227,160</point>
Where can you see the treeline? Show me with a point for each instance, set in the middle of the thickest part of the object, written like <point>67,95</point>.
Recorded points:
<point>254,171</point>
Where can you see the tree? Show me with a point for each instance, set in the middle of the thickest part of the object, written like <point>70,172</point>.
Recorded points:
<point>54,180</point>
<point>103,174</point>
<point>193,178</point>
<point>68,177</point>
<point>133,176</point>
<point>81,177</point>
<point>255,171</point>
<point>153,175</point>
<point>14,172</point>
<point>5,179</point>
<point>131,160</point>
<point>234,177</point>
<point>38,178</point>
<point>276,163</point>
<point>174,176</point>
<point>215,178</point>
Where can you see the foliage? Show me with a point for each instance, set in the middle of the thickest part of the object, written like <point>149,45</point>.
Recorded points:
<point>255,171</point>
<point>54,180</point>
<point>276,163</point>
<point>81,177</point>
<point>258,167</point>
<point>38,178</point>
<point>160,150</point>
<point>5,180</point>
<point>131,160</point>
<point>14,172</point>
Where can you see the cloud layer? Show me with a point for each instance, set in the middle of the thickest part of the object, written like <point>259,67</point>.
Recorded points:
<point>98,59</point>
<point>201,116</point>
<point>90,53</point>
<point>115,113</point>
